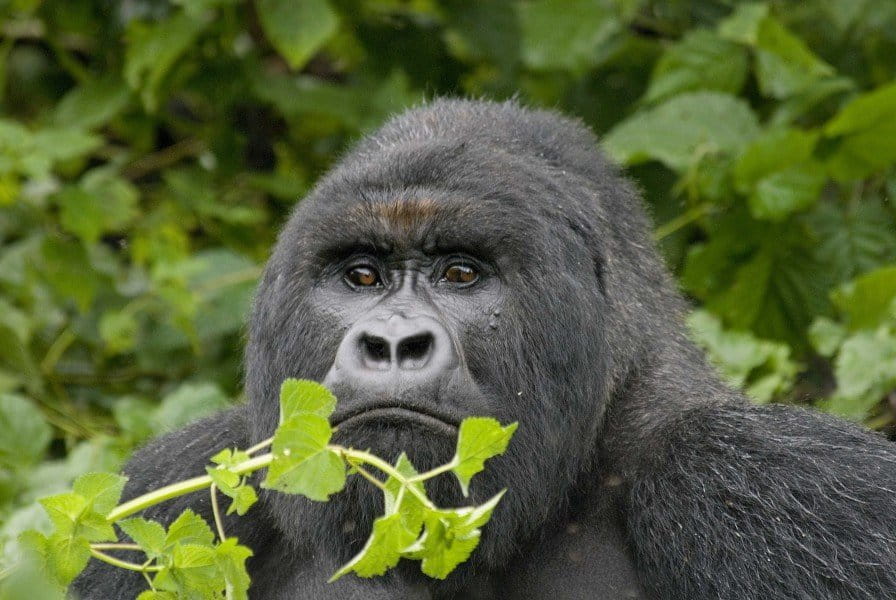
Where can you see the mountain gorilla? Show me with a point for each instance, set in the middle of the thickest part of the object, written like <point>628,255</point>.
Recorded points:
<point>472,258</point>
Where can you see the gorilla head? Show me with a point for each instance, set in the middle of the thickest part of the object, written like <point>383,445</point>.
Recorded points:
<point>466,259</point>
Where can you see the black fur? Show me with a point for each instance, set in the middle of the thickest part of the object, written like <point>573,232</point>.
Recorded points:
<point>635,473</point>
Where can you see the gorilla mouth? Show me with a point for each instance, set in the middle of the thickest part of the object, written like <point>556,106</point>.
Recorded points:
<point>399,415</point>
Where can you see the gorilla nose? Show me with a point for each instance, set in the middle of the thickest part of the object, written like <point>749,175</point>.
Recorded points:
<point>396,350</point>
<point>382,353</point>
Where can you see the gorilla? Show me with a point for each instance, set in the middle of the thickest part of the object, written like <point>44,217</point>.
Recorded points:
<point>478,258</point>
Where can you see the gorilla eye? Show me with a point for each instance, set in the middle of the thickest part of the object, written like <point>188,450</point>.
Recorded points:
<point>461,273</point>
<point>363,276</point>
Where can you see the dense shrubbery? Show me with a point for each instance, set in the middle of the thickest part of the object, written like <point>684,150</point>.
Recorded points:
<point>149,150</point>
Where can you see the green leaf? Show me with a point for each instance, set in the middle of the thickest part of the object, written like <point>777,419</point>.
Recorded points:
<point>67,556</point>
<point>785,192</point>
<point>149,535</point>
<point>762,368</point>
<point>700,61</point>
<point>449,537</point>
<point>300,396</point>
<point>826,336</point>
<point>152,50</point>
<point>24,435</point>
<point>853,237</point>
<point>244,498</point>
<point>868,300</point>
<point>383,548</point>
<point>777,291</point>
<point>65,511</point>
<point>101,490</point>
<point>865,369</point>
<point>865,129</point>
<point>297,29</point>
<point>195,569</point>
<point>565,35</point>
<point>188,403</point>
<point>302,462</point>
<point>785,65</point>
<point>119,331</point>
<point>92,104</point>
<point>189,528</point>
<point>231,559</point>
<point>771,152</point>
<point>479,439</point>
<point>66,267</point>
<point>682,129</point>
<point>743,24</point>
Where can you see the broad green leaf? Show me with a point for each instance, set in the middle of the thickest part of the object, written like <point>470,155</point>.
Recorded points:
<point>188,403</point>
<point>67,269</point>
<point>479,439</point>
<point>64,511</point>
<point>92,104</point>
<point>152,50</point>
<point>102,203</point>
<point>383,549</point>
<point>565,35</point>
<point>865,129</point>
<point>231,559</point>
<point>448,539</point>
<point>785,65</point>
<point>101,490</point>
<point>195,568</point>
<point>62,144</point>
<point>682,129</point>
<point>868,300</point>
<point>700,61</point>
<point>149,535</point>
<point>298,396</point>
<point>762,368</point>
<point>865,369</point>
<point>302,462</point>
<point>772,151</point>
<point>189,528</point>
<point>785,192</point>
<point>744,22</point>
<point>24,435</point>
<point>853,237</point>
<point>67,556</point>
<point>777,291</point>
<point>826,336</point>
<point>297,29</point>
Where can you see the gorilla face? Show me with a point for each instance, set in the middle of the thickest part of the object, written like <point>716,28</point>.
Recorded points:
<point>423,283</point>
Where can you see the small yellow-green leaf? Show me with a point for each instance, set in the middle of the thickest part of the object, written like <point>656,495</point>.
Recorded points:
<point>303,396</point>
<point>479,439</point>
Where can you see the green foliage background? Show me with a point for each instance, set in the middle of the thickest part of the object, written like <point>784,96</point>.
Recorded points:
<point>149,150</point>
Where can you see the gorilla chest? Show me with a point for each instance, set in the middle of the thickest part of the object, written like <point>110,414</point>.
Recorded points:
<point>582,562</point>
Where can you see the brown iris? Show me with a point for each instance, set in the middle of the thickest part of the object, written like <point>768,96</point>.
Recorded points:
<point>461,273</point>
<point>362,276</point>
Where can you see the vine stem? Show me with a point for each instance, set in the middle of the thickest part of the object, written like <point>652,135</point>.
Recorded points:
<point>195,484</point>
<point>182,487</point>
<point>124,564</point>
<point>213,491</point>
<point>375,461</point>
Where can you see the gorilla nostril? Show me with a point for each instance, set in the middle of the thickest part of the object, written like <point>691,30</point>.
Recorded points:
<point>375,351</point>
<point>414,352</point>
